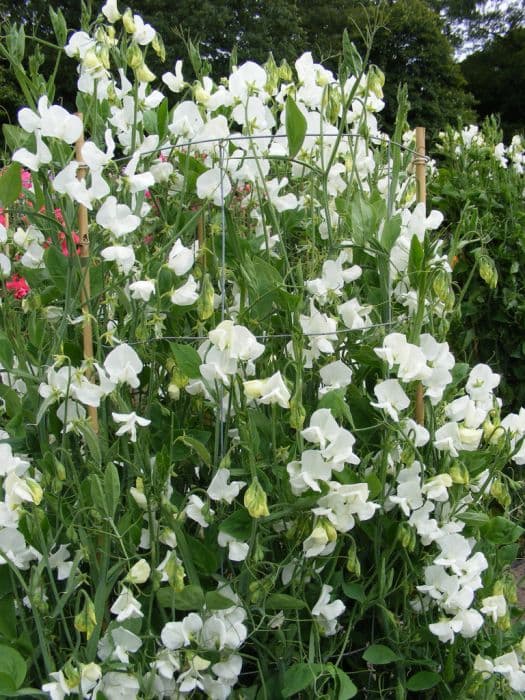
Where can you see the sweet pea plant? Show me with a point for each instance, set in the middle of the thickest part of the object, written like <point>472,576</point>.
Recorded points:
<point>480,186</point>
<point>269,477</point>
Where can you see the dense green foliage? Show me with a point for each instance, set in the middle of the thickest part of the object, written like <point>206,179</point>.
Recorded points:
<point>484,208</point>
<point>495,77</point>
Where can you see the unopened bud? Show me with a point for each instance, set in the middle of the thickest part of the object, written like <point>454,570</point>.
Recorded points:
<point>255,500</point>
<point>206,298</point>
<point>159,48</point>
<point>500,492</point>
<point>134,57</point>
<point>353,565</point>
<point>406,536</point>
<point>143,74</point>
<point>128,22</point>
<point>487,270</point>
<point>139,572</point>
<point>459,473</point>
<point>86,620</point>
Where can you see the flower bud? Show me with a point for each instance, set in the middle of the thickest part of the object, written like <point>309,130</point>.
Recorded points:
<point>353,564</point>
<point>128,22</point>
<point>134,57</point>
<point>406,536</point>
<point>159,48</point>
<point>459,473</point>
<point>86,620</point>
<point>137,492</point>
<point>500,492</point>
<point>255,500</point>
<point>272,72</point>
<point>174,392</point>
<point>330,530</point>
<point>297,411</point>
<point>200,94</point>
<point>60,470</point>
<point>175,572</point>
<point>285,72</point>
<point>143,74</point>
<point>205,301</point>
<point>441,284</point>
<point>139,572</point>
<point>487,270</point>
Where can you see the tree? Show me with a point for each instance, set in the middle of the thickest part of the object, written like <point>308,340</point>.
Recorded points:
<point>494,75</point>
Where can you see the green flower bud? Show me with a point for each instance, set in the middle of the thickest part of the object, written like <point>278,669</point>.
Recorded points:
<point>353,564</point>
<point>134,57</point>
<point>60,470</point>
<point>205,301</point>
<point>406,536</point>
<point>143,74</point>
<point>297,411</point>
<point>487,270</point>
<point>272,71</point>
<point>500,493</point>
<point>159,48</point>
<point>175,572</point>
<point>285,72</point>
<point>128,22</point>
<point>376,81</point>
<point>459,473</point>
<point>441,284</point>
<point>255,500</point>
<point>86,620</point>
<point>71,674</point>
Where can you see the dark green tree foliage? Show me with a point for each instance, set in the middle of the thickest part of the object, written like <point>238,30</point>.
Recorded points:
<point>496,78</point>
<point>412,49</point>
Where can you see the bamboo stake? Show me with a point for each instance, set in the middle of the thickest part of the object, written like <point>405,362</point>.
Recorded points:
<point>421,195</point>
<point>85,289</point>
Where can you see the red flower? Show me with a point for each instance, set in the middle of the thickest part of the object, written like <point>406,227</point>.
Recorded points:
<point>18,286</point>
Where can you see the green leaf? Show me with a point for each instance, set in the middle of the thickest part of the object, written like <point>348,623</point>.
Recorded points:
<point>347,688</point>
<point>300,676</point>
<point>335,401</point>
<point>283,601</point>
<point>354,591</point>
<point>111,489</point>
<point>190,598</point>
<point>238,525</point>
<point>15,137</point>
<point>187,358</point>
<point>57,266</point>
<point>97,494</point>
<point>216,601</point>
<point>500,530</point>
<point>6,352</point>
<point>14,667</point>
<point>10,184</point>
<point>8,618</point>
<point>415,261</point>
<point>296,126</point>
<point>197,447</point>
<point>378,654</point>
<point>92,441</point>
<point>162,119</point>
<point>391,231</point>
<point>424,680</point>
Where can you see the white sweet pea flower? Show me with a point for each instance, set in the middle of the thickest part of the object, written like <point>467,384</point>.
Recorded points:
<point>335,375</point>
<point>268,391</point>
<point>198,510</point>
<point>110,11</point>
<point>54,121</point>
<point>142,290</point>
<point>326,613</point>
<point>59,687</point>
<point>33,258</point>
<point>482,380</point>
<point>214,184</point>
<point>391,398</point>
<point>436,488</point>
<point>129,421</point>
<point>237,550</point>
<point>495,606</point>
<point>238,342</point>
<point>96,159</point>
<point>33,161</point>
<point>284,202</point>
<point>305,474</point>
<point>123,365</point>
<point>175,635</point>
<point>219,488</point>
<point>59,561</point>
<point>144,33</point>
<point>174,82</point>
<point>250,78</point>
<point>117,685</point>
<point>117,218</point>
<point>126,606</point>
<point>123,255</point>
<point>180,258</point>
<point>78,45</point>
<point>187,294</point>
